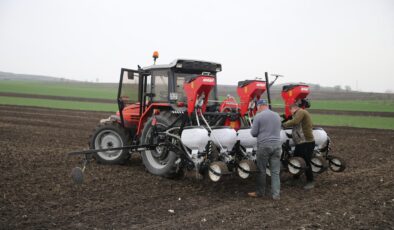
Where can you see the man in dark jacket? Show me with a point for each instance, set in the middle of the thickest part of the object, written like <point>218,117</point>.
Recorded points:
<point>266,127</point>
<point>303,138</point>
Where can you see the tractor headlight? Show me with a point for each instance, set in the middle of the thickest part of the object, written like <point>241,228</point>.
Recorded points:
<point>218,68</point>
<point>179,65</point>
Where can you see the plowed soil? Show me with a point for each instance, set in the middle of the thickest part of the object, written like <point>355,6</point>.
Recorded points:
<point>36,191</point>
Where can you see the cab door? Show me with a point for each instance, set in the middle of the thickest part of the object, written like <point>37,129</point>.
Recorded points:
<point>129,97</point>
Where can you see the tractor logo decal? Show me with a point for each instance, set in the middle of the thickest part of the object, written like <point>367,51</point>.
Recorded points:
<point>290,93</point>
<point>260,85</point>
<point>246,89</point>
<point>305,89</point>
<point>208,80</point>
<point>192,86</point>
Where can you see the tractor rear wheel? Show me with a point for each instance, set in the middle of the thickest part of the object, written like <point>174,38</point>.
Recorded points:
<point>161,161</point>
<point>110,135</point>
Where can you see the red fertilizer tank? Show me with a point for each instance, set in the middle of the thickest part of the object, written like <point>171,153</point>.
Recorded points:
<point>249,91</point>
<point>197,87</point>
<point>292,93</point>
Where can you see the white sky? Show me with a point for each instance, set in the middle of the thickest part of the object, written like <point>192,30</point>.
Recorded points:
<point>336,42</point>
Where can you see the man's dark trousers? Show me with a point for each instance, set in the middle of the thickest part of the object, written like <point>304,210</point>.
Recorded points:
<point>305,150</point>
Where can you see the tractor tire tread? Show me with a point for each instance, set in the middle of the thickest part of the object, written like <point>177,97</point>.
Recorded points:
<point>165,117</point>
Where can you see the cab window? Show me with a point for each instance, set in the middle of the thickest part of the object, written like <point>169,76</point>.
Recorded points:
<point>159,85</point>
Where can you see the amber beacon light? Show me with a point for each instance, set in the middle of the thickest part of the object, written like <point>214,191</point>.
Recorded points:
<point>155,56</point>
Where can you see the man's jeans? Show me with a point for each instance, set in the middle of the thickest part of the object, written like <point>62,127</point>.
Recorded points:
<point>271,154</point>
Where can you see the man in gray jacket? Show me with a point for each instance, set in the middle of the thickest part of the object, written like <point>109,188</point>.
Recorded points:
<point>266,127</point>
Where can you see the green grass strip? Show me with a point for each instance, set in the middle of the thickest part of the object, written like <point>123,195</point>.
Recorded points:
<point>345,105</point>
<point>109,91</point>
<point>58,104</point>
<point>355,105</point>
<point>354,121</point>
<point>66,89</point>
<point>318,119</point>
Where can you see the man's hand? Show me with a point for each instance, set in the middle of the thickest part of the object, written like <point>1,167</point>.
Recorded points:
<point>284,119</point>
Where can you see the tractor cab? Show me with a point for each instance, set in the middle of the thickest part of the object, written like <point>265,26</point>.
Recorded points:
<point>173,86</point>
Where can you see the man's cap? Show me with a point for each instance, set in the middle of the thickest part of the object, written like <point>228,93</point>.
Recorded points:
<point>262,102</point>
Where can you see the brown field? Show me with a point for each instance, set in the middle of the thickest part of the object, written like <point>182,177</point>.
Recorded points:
<point>36,191</point>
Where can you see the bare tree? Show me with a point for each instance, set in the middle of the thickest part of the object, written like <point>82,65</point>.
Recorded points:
<point>337,88</point>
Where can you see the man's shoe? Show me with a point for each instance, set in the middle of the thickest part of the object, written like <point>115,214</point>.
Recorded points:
<point>276,197</point>
<point>309,185</point>
<point>253,194</point>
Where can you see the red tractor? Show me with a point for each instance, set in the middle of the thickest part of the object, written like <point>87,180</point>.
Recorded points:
<point>170,114</point>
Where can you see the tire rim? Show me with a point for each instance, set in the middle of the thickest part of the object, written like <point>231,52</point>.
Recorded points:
<point>294,170</point>
<point>244,165</point>
<point>333,164</point>
<point>108,139</point>
<point>218,169</point>
<point>317,164</point>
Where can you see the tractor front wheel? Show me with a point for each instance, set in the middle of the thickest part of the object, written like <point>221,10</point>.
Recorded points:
<point>110,135</point>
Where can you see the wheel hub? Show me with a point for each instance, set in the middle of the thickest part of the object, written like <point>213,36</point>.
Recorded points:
<point>108,139</point>
<point>161,152</point>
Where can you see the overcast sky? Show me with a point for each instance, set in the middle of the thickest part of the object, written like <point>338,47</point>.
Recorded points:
<point>335,42</point>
